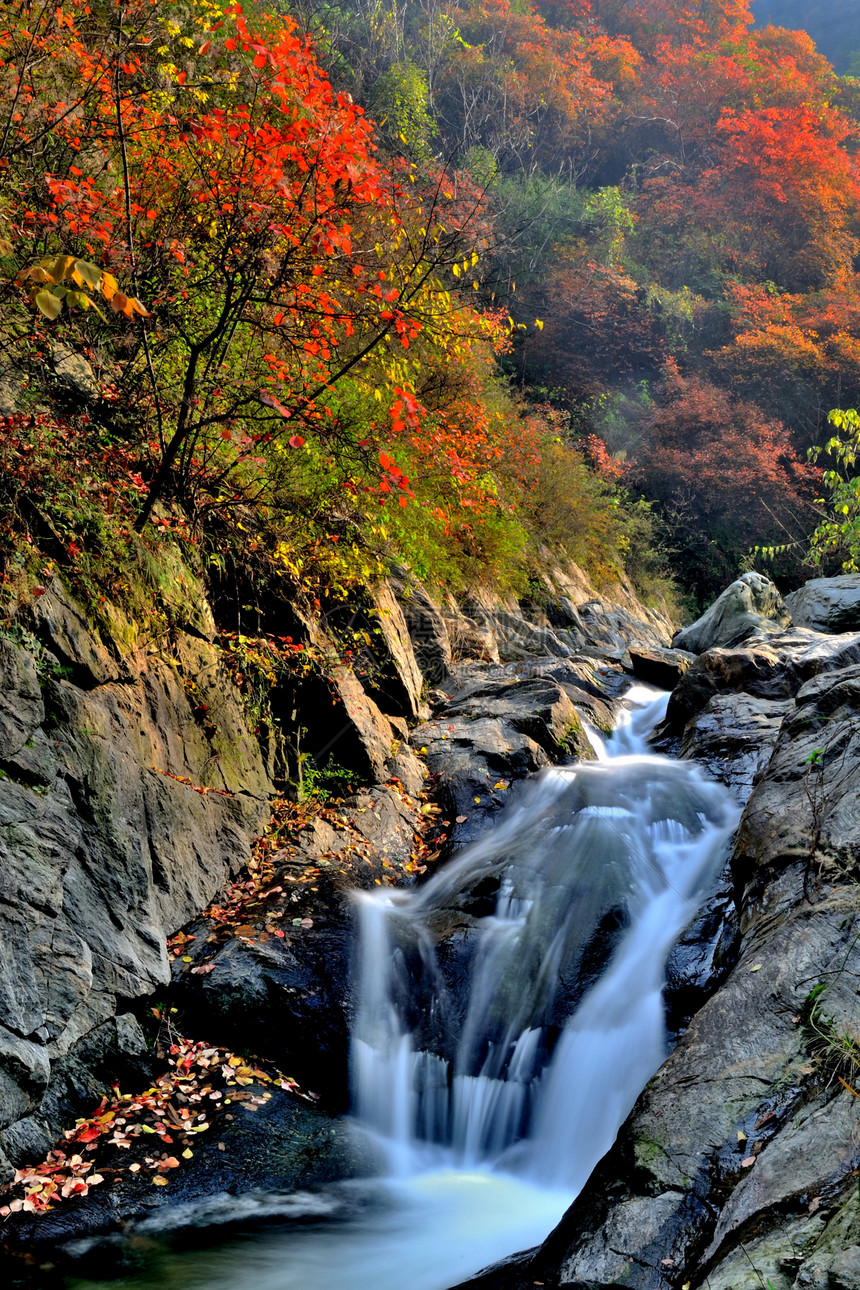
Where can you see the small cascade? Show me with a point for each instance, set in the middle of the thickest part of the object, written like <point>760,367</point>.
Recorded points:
<point>510,1010</point>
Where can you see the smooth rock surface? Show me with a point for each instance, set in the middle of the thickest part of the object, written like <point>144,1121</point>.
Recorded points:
<point>748,606</point>
<point>827,604</point>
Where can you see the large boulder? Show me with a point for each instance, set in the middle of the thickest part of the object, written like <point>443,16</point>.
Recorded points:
<point>749,606</point>
<point>827,604</point>
<point>657,665</point>
<point>774,668</point>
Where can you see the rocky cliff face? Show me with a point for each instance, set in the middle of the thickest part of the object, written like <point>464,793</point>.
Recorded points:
<point>130,787</point>
<point>738,1165</point>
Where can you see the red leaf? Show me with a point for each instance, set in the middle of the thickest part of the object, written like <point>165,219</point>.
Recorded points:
<point>297,441</point>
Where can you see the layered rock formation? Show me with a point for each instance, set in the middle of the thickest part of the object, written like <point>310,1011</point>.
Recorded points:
<point>738,1165</point>
<point>132,786</point>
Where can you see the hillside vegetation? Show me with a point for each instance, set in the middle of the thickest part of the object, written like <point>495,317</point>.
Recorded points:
<point>289,371</point>
<point>447,284</point>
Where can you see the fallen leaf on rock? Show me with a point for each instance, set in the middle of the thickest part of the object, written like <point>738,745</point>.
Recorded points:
<point>747,1161</point>
<point>756,967</point>
<point>159,1181</point>
<point>461,819</point>
<point>307,922</point>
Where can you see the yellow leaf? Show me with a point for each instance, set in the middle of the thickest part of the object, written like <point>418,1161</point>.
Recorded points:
<point>456,270</point>
<point>110,286</point>
<point>187,1153</point>
<point>37,273</point>
<point>5,246</point>
<point>138,308</point>
<point>159,1181</point>
<point>539,324</point>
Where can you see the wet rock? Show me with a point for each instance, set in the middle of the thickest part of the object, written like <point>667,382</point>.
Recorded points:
<point>289,999</point>
<point>827,604</point>
<point>659,666</point>
<point>490,734</point>
<point>772,668</point>
<point>751,605</point>
<point>279,1144</point>
<point>703,956</point>
<point>733,738</point>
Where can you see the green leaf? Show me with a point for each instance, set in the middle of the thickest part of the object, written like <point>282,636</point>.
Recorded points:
<point>48,304</point>
<point>91,273</point>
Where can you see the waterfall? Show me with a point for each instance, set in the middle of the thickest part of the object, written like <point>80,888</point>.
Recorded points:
<point>510,1010</point>
<point>508,1014</point>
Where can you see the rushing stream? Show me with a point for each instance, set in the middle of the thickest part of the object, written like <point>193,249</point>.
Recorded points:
<point>509,1013</point>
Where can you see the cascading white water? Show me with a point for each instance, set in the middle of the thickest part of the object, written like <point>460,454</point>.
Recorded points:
<point>509,1012</point>
<point>535,1069</point>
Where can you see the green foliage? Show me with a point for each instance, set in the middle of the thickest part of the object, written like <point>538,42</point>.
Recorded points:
<point>839,534</point>
<point>329,780</point>
<point>400,104</point>
<point>837,1051</point>
<point>607,212</point>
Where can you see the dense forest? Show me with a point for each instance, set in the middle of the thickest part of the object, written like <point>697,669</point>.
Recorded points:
<point>444,283</point>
